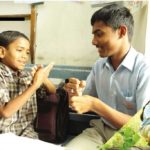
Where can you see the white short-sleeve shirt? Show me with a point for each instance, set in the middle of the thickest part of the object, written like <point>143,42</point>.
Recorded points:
<point>126,89</point>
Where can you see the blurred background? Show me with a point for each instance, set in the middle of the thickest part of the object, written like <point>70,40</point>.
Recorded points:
<point>60,31</point>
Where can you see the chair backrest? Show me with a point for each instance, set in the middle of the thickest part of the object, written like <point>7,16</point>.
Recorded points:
<point>64,71</point>
<point>61,72</point>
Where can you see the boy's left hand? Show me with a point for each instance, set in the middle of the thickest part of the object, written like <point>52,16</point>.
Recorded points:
<point>81,104</point>
<point>46,69</point>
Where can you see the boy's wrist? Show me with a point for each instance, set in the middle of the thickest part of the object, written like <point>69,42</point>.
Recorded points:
<point>34,86</point>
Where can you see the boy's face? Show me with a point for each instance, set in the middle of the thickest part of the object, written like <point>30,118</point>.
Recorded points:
<point>106,39</point>
<point>17,54</point>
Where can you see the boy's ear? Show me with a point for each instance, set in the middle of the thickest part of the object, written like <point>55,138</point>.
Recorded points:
<point>2,52</point>
<point>122,31</point>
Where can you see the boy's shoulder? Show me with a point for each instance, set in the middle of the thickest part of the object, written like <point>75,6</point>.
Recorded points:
<point>2,70</point>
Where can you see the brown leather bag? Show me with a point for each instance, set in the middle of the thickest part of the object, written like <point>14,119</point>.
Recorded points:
<point>53,116</point>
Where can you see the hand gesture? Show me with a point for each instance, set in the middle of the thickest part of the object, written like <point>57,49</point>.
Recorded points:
<point>40,74</point>
<point>81,104</point>
<point>74,86</point>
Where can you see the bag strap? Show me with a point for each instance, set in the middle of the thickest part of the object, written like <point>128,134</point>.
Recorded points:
<point>142,114</point>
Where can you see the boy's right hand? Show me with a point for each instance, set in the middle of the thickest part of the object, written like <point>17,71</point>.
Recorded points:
<point>74,86</point>
<point>48,68</point>
<point>39,74</point>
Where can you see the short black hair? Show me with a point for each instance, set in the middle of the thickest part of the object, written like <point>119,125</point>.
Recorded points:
<point>7,37</point>
<point>115,15</point>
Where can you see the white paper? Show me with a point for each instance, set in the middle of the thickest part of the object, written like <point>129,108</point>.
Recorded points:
<point>9,141</point>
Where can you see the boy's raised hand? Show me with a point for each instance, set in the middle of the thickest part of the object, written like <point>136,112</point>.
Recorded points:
<point>40,74</point>
<point>48,68</point>
<point>74,86</point>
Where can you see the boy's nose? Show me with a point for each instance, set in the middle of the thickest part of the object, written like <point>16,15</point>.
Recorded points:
<point>24,55</point>
<point>94,42</point>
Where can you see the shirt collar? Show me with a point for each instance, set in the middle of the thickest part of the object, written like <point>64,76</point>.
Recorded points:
<point>128,61</point>
<point>107,62</point>
<point>8,72</point>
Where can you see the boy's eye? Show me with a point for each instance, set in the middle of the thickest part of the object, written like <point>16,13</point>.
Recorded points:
<point>19,50</point>
<point>99,34</point>
<point>28,52</point>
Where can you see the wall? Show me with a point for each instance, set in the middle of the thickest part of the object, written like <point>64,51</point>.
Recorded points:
<point>22,26</point>
<point>147,43</point>
<point>64,34</point>
<point>139,37</point>
<point>11,8</point>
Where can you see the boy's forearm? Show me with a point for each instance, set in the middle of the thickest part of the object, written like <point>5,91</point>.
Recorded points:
<point>49,86</point>
<point>118,119</point>
<point>15,104</point>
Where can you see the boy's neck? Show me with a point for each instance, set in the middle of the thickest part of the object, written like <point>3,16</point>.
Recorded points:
<point>117,59</point>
